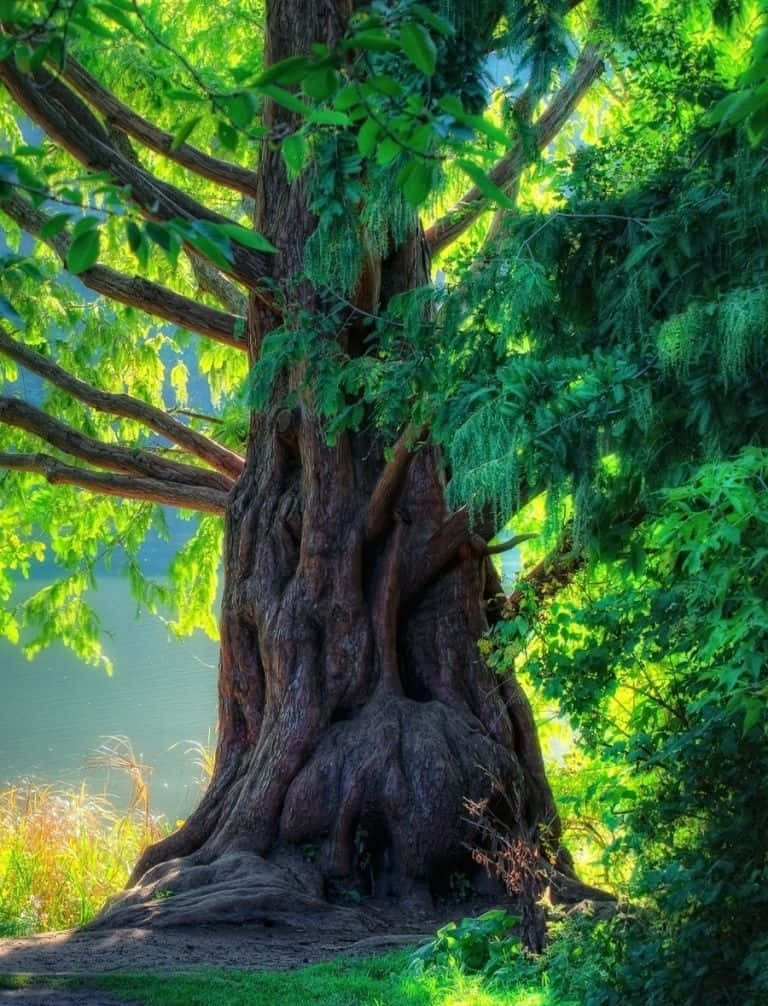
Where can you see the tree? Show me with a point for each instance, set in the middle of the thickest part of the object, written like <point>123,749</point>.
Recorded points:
<point>356,716</point>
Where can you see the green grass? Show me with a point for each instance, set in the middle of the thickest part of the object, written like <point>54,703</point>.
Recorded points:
<point>387,980</point>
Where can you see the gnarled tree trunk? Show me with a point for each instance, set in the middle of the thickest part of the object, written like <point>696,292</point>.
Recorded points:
<point>356,714</point>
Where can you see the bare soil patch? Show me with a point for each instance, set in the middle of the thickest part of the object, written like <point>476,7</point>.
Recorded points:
<point>74,952</point>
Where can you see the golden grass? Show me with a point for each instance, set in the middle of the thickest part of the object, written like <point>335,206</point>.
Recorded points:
<point>62,853</point>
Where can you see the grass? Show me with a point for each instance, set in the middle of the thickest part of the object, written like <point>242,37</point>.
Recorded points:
<point>388,980</point>
<point>62,853</point>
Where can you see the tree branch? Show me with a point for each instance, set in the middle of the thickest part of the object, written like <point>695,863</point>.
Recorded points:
<point>211,281</point>
<point>508,545</point>
<point>21,415</point>
<point>391,482</point>
<point>69,121</point>
<point>506,171</point>
<point>132,290</point>
<point>551,574</point>
<point>440,551</point>
<point>153,490</point>
<point>221,458</point>
<point>118,114</point>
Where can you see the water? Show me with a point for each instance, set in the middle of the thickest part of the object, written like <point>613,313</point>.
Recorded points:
<point>54,711</point>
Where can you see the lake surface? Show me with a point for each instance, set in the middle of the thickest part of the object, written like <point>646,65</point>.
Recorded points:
<point>55,711</point>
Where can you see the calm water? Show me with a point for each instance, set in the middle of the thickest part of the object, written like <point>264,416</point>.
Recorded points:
<point>54,711</point>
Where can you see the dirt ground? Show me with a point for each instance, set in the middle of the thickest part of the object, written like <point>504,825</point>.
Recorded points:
<point>171,950</point>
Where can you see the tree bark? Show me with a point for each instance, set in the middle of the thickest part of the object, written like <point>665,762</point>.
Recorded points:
<point>357,719</point>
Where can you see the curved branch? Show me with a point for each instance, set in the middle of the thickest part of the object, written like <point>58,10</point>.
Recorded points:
<point>118,114</point>
<point>69,121</point>
<point>441,549</point>
<point>391,482</point>
<point>221,458</point>
<point>506,171</point>
<point>135,291</point>
<point>22,416</point>
<point>152,490</point>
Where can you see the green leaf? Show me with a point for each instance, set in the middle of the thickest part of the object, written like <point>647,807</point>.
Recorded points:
<point>159,233</point>
<point>243,236</point>
<point>287,71</point>
<point>382,83</point>
<point>218,253</point>
<point>388,150</point>
<point>368,136</point>
<point>241,107</point>
<point>182,94</point>
<point>138,243</point>
<point>347,98</point>
<point>133,234</point>
<point>83,251</point>
<point>55,225</point>
<point>295,153</point>
<point>484,183</point>
<point>755,709</point>
<point>284,98</point>
<point>441,25</point>
<point>321,84</point>
<point>22,56</point>
<point>115,14</point>
<point>184,130</point>
<point>374,40</point>
<point>417,183</point>
<point>84,224</point>
<point>327,117</point>
<point>227,135</point>
<point>418,46</point>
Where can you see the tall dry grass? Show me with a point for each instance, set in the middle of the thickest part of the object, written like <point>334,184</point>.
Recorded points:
<point>64,851</point>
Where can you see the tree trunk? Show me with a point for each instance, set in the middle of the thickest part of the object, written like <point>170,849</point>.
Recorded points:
<point>356,718</point>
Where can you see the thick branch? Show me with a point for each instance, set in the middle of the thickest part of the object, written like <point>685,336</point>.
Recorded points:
<point>441,550</point>
<point>508,545</point>
<point>69,121</point>
<point>133,290</point>
<point>391,482</point>
<point>14,412</point>
<point>554,572</point>
<point>218,457</point>
<point>211,281</point>
<point>152,490</point>
<point>510,167</point>
<point>124,118</point>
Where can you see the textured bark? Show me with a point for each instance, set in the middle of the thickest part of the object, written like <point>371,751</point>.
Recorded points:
<point>356,716</point>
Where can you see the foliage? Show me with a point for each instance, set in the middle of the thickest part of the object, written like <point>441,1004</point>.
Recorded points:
<point>473,945</point>
<point>665,670</point>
